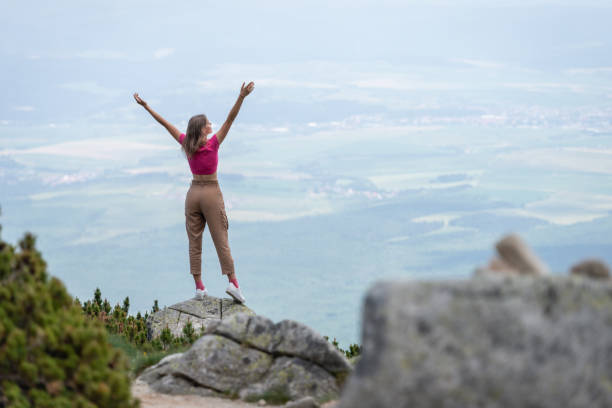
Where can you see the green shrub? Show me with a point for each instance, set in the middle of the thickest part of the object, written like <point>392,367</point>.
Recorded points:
<point>189,332</point>
<point>129,333</point>
<point>353,351</point>
<point>51,355</point>
<point>134,328</point>
<point>165,337</point>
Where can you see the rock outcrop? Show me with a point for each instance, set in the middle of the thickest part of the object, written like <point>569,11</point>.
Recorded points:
<point>494,341</point>
<point>251,357</point>
<point>198,312</point>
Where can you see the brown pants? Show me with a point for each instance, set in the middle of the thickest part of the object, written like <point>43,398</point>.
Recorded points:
<point>204,202</point>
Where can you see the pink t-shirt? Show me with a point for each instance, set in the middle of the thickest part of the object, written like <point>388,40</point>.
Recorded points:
<point>205,160</point>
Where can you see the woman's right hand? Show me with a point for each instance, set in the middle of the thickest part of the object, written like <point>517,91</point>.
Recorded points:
<point>244,91</point>
<point>140,101</point>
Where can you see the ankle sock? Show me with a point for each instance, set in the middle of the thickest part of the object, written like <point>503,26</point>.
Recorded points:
<point>234,281</point>
<point>200,285</point>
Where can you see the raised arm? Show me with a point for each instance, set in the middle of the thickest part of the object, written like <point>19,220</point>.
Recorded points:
<point>173,131</point>
<point>244,91</point>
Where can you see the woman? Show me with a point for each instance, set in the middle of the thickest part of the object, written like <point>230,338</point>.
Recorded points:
<point>204,201</point>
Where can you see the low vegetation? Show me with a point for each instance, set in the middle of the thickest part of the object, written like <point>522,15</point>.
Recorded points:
<point>51,354</point>
<point>129,333</point>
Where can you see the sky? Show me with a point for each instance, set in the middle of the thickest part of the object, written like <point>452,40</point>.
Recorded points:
<point>383,140</point>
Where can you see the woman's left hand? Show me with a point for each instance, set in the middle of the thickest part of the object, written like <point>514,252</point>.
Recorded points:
<point>140,101</point>
<point>244,91</point>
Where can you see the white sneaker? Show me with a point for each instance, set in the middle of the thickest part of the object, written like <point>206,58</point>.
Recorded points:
<point>235,292</point>
<point>201,293</point>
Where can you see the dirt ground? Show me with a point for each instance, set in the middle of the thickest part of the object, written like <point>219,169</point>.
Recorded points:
<point>152,399</point>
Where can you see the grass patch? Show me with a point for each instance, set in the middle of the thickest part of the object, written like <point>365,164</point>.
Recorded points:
<point>140,359</point>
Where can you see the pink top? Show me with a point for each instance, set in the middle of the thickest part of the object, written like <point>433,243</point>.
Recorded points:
<point>205,160</point>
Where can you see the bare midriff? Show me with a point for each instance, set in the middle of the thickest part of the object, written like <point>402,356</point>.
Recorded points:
<point>205,176</point>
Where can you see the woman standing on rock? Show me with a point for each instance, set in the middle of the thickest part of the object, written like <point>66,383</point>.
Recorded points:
<point>204,201</point>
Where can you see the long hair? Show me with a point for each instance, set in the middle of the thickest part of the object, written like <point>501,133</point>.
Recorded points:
<point>192,141</point>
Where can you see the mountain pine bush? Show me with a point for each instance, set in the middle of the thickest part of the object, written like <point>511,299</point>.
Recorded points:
<point>51,354</point>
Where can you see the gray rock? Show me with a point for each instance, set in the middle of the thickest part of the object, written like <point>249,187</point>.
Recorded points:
<point>201,313</point>
<point>214,365</point>
<point>287,337</point>
<point>514,341</point>
<point>160,378</point>
<point>301,341</point>
<point>252,357</point>
<point>294,378</point>
<point>221,364</point>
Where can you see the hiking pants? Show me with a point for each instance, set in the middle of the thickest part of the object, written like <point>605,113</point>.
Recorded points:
<point>204,203</point>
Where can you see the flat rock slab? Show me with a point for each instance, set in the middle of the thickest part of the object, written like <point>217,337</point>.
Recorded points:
<point>511,342</point>
<point>199,312</point>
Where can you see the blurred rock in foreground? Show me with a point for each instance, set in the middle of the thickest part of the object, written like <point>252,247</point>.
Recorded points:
<point>493,341</point>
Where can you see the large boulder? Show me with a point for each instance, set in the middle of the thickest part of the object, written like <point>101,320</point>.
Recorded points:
<point>251,357</point>
<point>198,312</point>
<point>496,341</point>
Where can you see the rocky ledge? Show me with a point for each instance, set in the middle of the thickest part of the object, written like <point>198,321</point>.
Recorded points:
<point>198,312</point>
<point>251,357</point>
